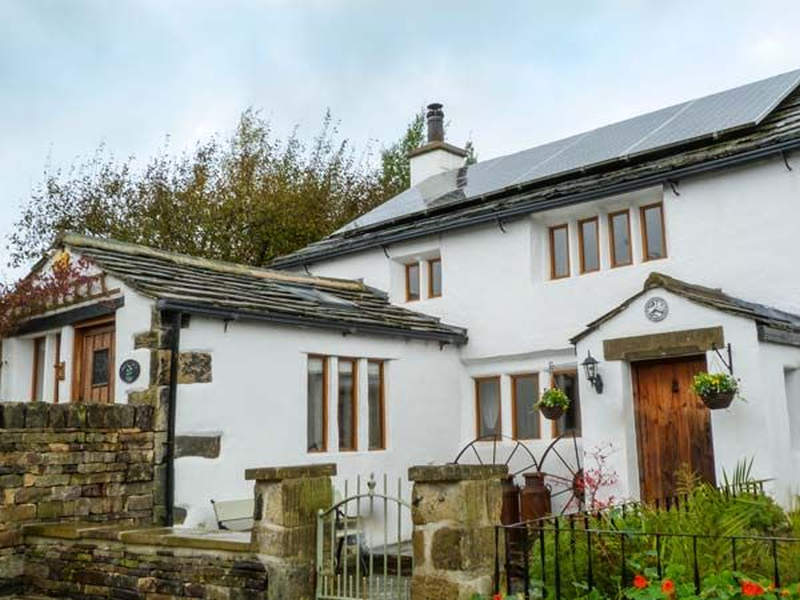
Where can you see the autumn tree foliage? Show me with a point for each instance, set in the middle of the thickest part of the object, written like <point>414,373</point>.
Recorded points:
<point>246,198</point>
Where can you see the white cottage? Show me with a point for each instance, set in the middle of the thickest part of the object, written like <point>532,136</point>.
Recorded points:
<point>441,316</point>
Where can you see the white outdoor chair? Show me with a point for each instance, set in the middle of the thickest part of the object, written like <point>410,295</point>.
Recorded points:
<point>234,515</point>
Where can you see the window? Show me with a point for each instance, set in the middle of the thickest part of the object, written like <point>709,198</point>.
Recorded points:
<point>619,225</point>
<point>435,277</point>
<point>317,404</point>
<point>377,408</point>
<point>653,243</point>
<point>487,406</point>
<point>347,405</point>
<point>559,252</point>
<point>589,245</point>
<point>412,282</point>
<point>571,420</point>
<point>58,369</point>
<point>37,389</point>
<point>524,395</point>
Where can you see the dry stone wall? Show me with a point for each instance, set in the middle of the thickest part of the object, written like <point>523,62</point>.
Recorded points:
<point>72,462</point>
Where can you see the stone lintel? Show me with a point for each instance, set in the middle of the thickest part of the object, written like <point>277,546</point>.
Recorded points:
<point>661,345</point>
<point>453,472</point>
<point>290,472</point>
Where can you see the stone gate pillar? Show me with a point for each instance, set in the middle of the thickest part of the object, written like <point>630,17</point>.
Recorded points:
<point>284,532</point>
<point>455,509</point>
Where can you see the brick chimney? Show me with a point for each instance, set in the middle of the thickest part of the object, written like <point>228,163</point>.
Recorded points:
<point>436,156</point>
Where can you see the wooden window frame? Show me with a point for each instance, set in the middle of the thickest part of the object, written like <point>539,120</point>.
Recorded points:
<point>514,431</point>
<point>596,221</point>
<point>613,242</point>
<point>551,232</point>
<point>325,396</point>
<point>430,277</point>
<point>353,404</point>
<point>554,424</point>
<point>58,369</point>
<point>408,267</point>
<point>381,402</point>
<point>478,381</point>
<point>643,224</point>
<point>38,342</point>
<point>77,356</point>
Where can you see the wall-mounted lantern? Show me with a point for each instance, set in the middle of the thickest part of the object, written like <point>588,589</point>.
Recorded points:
<point>592,375</point>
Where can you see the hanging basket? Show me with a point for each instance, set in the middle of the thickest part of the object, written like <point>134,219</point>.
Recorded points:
<point>552,412</point>
<point>718,400</point>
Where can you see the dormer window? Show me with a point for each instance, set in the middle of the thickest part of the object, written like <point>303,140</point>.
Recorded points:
<point>412,282</point>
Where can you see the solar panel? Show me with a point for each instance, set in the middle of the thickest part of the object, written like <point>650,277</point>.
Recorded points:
<point>723,112</point>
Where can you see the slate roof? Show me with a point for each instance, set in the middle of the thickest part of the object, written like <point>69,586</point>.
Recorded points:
<point>774,325</point>
<point>232,291</point>
<point>450,201</point>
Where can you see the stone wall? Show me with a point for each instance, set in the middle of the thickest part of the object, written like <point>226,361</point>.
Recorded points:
<point>72,462</point>
<point>97,563</point>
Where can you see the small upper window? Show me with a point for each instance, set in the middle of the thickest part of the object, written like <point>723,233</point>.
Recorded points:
<point>653,242</point>
<point>619,225</point>
<point>559,252</point>
<point>412,282</point>
<point>589,245</point>
<point>487,405</point>
<point>435,277</point>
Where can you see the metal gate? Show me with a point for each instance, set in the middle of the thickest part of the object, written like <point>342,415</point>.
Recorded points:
<point>364,545</point>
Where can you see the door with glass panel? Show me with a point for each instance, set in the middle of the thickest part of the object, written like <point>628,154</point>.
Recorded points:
<point>94,363</point>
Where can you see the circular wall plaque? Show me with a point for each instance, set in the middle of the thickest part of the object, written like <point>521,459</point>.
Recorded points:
<point>129,370</point>
<point>656,309</point>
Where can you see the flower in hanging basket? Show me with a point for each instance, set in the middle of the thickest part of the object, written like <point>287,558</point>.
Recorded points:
<point>717,390</point>
<point>553,403</point>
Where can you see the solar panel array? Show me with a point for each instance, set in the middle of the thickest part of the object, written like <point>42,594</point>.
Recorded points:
<point>698,119</point>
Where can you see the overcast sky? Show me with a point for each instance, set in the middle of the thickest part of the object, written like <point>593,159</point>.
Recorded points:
<point>75,73</point>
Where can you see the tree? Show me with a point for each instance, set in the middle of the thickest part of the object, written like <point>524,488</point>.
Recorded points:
<point>246,198</point>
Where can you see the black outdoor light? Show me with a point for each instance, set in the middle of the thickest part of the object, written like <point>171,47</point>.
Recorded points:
<point>590,366</point>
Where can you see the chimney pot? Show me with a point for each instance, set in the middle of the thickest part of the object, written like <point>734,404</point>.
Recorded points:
<point>435,118</point>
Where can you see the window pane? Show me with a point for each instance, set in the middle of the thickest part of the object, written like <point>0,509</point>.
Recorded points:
<point>376,408</point>
<point>526,394</point>
<point>316,405</point>
<point>412,281</point>
<point>654,232</point>
<point>620,239</point>
<point>559,251</point>
<point>435,270</point>
<point>347,415</point>
<point>100,367</point>
<point>488,407</point>
<point>589,249</point>
<point>38,365</point>
<point>571,420</point>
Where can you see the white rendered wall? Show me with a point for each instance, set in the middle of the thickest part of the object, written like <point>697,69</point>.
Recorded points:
<point>257,401</point>
<point>754,428</point>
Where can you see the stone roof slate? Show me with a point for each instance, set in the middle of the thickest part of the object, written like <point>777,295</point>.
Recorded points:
<point>232,291</point>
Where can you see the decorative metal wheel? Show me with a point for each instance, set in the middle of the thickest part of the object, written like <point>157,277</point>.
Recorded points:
<point>570,483</point>
<point>501,455</point>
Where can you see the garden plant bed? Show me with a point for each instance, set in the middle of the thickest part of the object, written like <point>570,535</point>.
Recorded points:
<point>712,545</point>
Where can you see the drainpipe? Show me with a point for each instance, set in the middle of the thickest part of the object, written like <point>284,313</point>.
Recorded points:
<point>175,338</point>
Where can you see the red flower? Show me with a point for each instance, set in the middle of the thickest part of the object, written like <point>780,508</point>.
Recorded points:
<point>640,582</point>
<point>668,586</point>
<point>497,597</point>
<point>751,588</point>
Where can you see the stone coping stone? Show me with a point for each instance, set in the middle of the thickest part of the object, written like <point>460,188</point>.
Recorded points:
<point>453,472</point>
<point>197,539</point>
<point>291,472</point>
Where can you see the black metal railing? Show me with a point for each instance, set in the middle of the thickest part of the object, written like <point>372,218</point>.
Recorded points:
<point>563,560</point>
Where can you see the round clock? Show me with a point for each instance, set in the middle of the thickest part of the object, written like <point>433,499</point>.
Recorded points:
<point>656,309</point>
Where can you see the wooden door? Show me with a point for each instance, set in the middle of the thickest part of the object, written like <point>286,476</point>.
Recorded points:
<point>94,364</point>
<point>673,426</point>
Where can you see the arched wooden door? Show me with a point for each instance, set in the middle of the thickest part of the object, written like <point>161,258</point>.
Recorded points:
<point>673,426</point>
